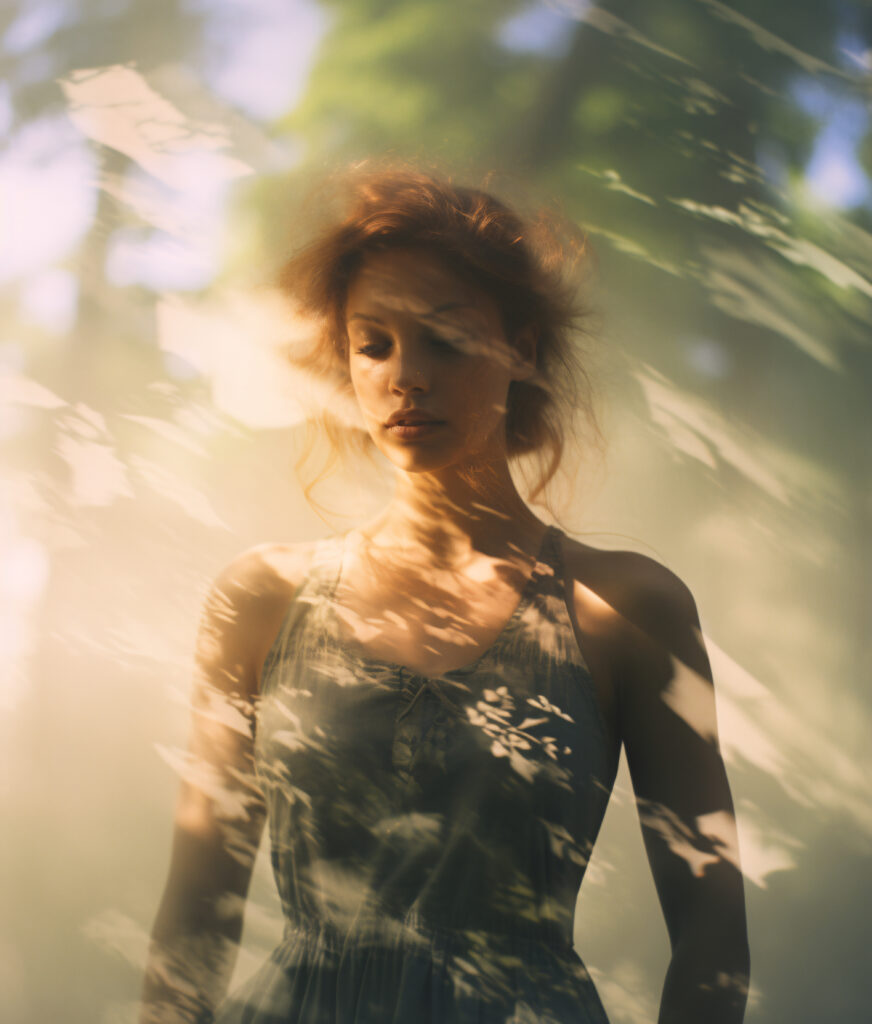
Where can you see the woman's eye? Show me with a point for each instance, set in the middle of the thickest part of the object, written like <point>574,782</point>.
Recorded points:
<point>442,343</point>
<point>372,347</point>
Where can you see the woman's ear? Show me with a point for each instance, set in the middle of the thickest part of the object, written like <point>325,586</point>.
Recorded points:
<point>525,354</point>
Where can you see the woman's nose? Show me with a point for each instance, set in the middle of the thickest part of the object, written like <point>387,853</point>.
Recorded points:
<point>409,371</point>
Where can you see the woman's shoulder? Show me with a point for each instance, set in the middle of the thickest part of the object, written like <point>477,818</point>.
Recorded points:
<point>250,594</point>
<point>634,577</point>
<point>635,594</point>
<point>266,570</point>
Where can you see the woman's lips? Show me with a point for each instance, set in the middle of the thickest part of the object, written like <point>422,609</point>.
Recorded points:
<point>412,429</point>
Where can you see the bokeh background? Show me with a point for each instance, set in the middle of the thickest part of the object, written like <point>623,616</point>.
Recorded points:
<point>154,155</point>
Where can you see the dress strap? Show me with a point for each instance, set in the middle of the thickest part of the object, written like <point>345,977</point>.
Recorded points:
<point>326,566</point>
<point>549,571</point>
<point>548,618</point>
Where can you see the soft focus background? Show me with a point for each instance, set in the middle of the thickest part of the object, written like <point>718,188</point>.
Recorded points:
<point>153,156</point>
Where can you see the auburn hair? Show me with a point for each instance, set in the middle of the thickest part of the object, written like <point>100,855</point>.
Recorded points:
<point>529,267</point>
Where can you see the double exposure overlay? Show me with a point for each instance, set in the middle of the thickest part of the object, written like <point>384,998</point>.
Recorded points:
<point>159,163</point>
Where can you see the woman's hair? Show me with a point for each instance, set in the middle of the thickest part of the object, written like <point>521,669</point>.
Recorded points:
<point>529,268</point>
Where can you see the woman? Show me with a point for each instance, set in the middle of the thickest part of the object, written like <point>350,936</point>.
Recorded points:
<point>430,709</point>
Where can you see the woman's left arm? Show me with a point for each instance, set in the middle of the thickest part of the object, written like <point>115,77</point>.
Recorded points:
<point>666,707</point>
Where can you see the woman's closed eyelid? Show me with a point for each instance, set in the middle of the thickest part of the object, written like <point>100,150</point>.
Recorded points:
<point>368,335</point>
<point>371,348</point>
<point>442,340</point>
<point>458,336</point>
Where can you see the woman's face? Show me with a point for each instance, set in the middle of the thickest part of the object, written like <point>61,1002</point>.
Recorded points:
<point>429,362</point>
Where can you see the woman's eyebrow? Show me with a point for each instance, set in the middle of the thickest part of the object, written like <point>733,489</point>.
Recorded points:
<point>364,316</point>
<point>436,311</point>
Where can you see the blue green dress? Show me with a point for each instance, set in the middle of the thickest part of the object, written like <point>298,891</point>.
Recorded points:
<point>428,834</point>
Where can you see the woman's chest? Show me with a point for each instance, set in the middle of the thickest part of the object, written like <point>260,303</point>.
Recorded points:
<point>429,629</point>
<point>428,626</point>
<point>507,727</point>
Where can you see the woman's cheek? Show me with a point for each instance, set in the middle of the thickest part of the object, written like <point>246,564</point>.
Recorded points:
<point>488,391</point>
<point>365,386</point>
<point>485,410</point>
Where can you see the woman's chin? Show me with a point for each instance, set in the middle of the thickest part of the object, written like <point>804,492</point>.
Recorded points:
<point>432,464</point>
<point>440,458</point>
<point>420,463</point>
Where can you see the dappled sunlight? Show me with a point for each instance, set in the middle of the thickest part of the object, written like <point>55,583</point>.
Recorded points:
<point>46,184</point>
<point>767,224</point>
<point>603,20</point>
<point>765,848</point>
<point>630,999</point>
<point>156,395</point>
<point>178,491</point>
<point>770,41</point>
<point>18,389</point>
<point>99,477</point>
<point>758,289</point>
<point>324,777</point>
<point>813,769</point>
<point>699,431</point>
<point>240,341</point>
<point>116,107</point>
<point>694,846</point>
<point>461,324</point>
<point>201,775</point>
<point>689,695</point>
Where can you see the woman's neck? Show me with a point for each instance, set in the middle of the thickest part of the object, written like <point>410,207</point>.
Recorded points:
<point>452,517</point>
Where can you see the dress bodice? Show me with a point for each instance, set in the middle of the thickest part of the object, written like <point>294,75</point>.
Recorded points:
<point>442,821</point>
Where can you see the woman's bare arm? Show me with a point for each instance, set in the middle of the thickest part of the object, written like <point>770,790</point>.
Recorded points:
<point>220,811</point>
<point>668,726</point>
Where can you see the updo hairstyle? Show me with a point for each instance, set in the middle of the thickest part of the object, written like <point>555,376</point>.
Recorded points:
<point>530,269</point>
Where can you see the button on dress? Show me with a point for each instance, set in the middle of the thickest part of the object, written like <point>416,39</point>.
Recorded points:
<point>428,834</point>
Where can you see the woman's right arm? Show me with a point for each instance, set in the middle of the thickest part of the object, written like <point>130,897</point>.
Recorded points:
<point>220,811</point>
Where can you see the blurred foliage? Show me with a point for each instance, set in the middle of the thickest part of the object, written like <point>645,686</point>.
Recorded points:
<point>736,306</point>
<point>654,126</point>
<point>53,39</point>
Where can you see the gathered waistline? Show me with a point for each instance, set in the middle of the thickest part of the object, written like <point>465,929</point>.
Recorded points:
<point>411,932</point>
